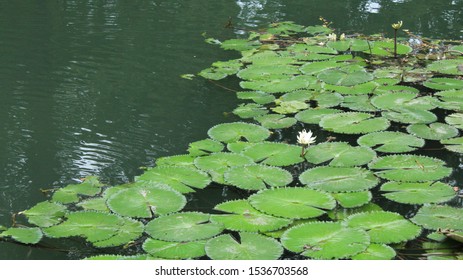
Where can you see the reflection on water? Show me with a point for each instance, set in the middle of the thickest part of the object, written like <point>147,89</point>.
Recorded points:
<point>93,87</point>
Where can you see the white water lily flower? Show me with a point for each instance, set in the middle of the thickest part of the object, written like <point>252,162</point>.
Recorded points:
<point>342,37</point>
<point>332,37</point>
<point>306,138</point>
<point>397,25</point>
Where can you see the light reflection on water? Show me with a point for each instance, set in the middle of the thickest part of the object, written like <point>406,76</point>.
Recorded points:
<point>92,87</point>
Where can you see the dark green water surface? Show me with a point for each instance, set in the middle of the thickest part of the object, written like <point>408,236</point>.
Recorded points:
<point>94,87</point>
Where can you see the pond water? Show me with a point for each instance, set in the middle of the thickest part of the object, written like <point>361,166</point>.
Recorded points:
<point>94,87</point>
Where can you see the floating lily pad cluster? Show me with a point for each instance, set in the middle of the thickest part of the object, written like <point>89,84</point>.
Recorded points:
<point>320,202</point>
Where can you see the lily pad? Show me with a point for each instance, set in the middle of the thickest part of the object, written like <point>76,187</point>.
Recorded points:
<point>251,110</point>
<point>410,116</point>
<point>409,168</point>
<point>289,107</point>
<point>72,193</point>
<point>250,246</point>
<point>339,154</point>
<point>279,85</point>
<point>275,121</point>
<point>45,214</point>
<point>433,131</point>
<point>447,66</point>
<point>376,252</point>
<point>180,178</point>
<point>453,144</point>
<point>444,83</point>
<point>146,201</point>
<point>24,235</point>
<point>239,44</point>
<point>174,250</point>
<point>384,227</point>
<point>233,132</point>
<point>353,123</point>
<point>101,229</point>
<point>403,100</point>
<point>418,193</point>
<point>266,72</point>
<point>345,76</point>
<point>256,96</point>
<point>257,177</point>
<point>338,179</point>
<point>359,103</point>
<point>293,203</point>
<point>325,240</point>
<point>276,154</point>
<point>382,48</point>
<point>243,217</point>
<point>217,164</point>
<point>183,227</point>
<point>95,204</point>
<point>353,199</point>
<point>439,217</point>
<point>179,160</point>
<point>450,99</point>
<point>391,142</point>
<point>313,116</point>
<point>204,147</point>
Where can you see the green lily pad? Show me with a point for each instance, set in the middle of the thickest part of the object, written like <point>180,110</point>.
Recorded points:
<point>239,44</point>
<point>256,96</point>
<point>353,123</point>
<point>313,116</point>
<point>146,201</point>
<point>455,120</point>
<point>251,110</point>
<point>204,147</point>
<point>453,144</point>
<point>359,103</point>
<point>359,89</point>
<point>384,227</point>
<point>325,240</point>
<point>433,131</point>
<point>447,66</point>
<point>293,203</point>
<point>101,229</point>
<point>313,68</point>
<point>279,85</point>
<point>339,214</point>
<point>183,227</point>
<point>24,235</point>
<point>275,121</point>
<point>450,99</point>
<point>345,76</point>
<point>108,257</point>
<point>179,160</point>
<point>410,116</point>
<point>257,177</point>
<point>174,250</point>
<point>267,72</point>
<point>276,154</point>
<point>338,179</point>
<point>71,193</point>
<point>217,164</point>
<point>391,142</point>
<point>353,199</point>
<point>339,154</point>
<point>418,193</point>
<point>289,107</point>
<point>250,246</point>
<point>394,89</point>
<point>409,168</point>
<point>45,214</point>
<point>326,100</point>
<point>382,48</point>
<point>233,132</point>
<point>403,100</point>
<point>243,217</point>
<point>95,204</point>
<point>212,73</point>
<point>444,83</point>
<point>238,147</point>
<point>439,217</point>
<point>180,178</point>
<point>376,252</point>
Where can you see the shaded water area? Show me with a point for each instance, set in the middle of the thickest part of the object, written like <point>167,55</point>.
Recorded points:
<point>94,87</point>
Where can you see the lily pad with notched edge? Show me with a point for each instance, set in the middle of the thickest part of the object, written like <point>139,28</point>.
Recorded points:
<point>45,214</point>
<point>444,83</point>
<point>455,120</point>
<point>409,168</point>
<point>257,177</point>
<point>384,227</point>
<point>418,193</point>
<point>353,123</point>
<point>325,240</point>
<point>338,179</point>
<point>251,110</point>
<point>391,142</point>
<point>313,116</point>
<point>24,235</point>
<point>183,227</point>
<point>276,154</point>
<point>345,76</point>
<point>204,147</point>
<point>250,246</point>
<point>217,164</point>
<point>353,199</point>
<point>453,144</point>
<point>450,100</point>
<point>174,250</point>
<point>447,66</point>
<point>293,203</point>
<point>275,121</point>
<point>256,96</point>
<point>233,132</point>
<point>376,252</point>
<point>339,154</point>
<point>243,217</point>
<point>433,131</point>
<point>439,217</point>
<point>72,193</point>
